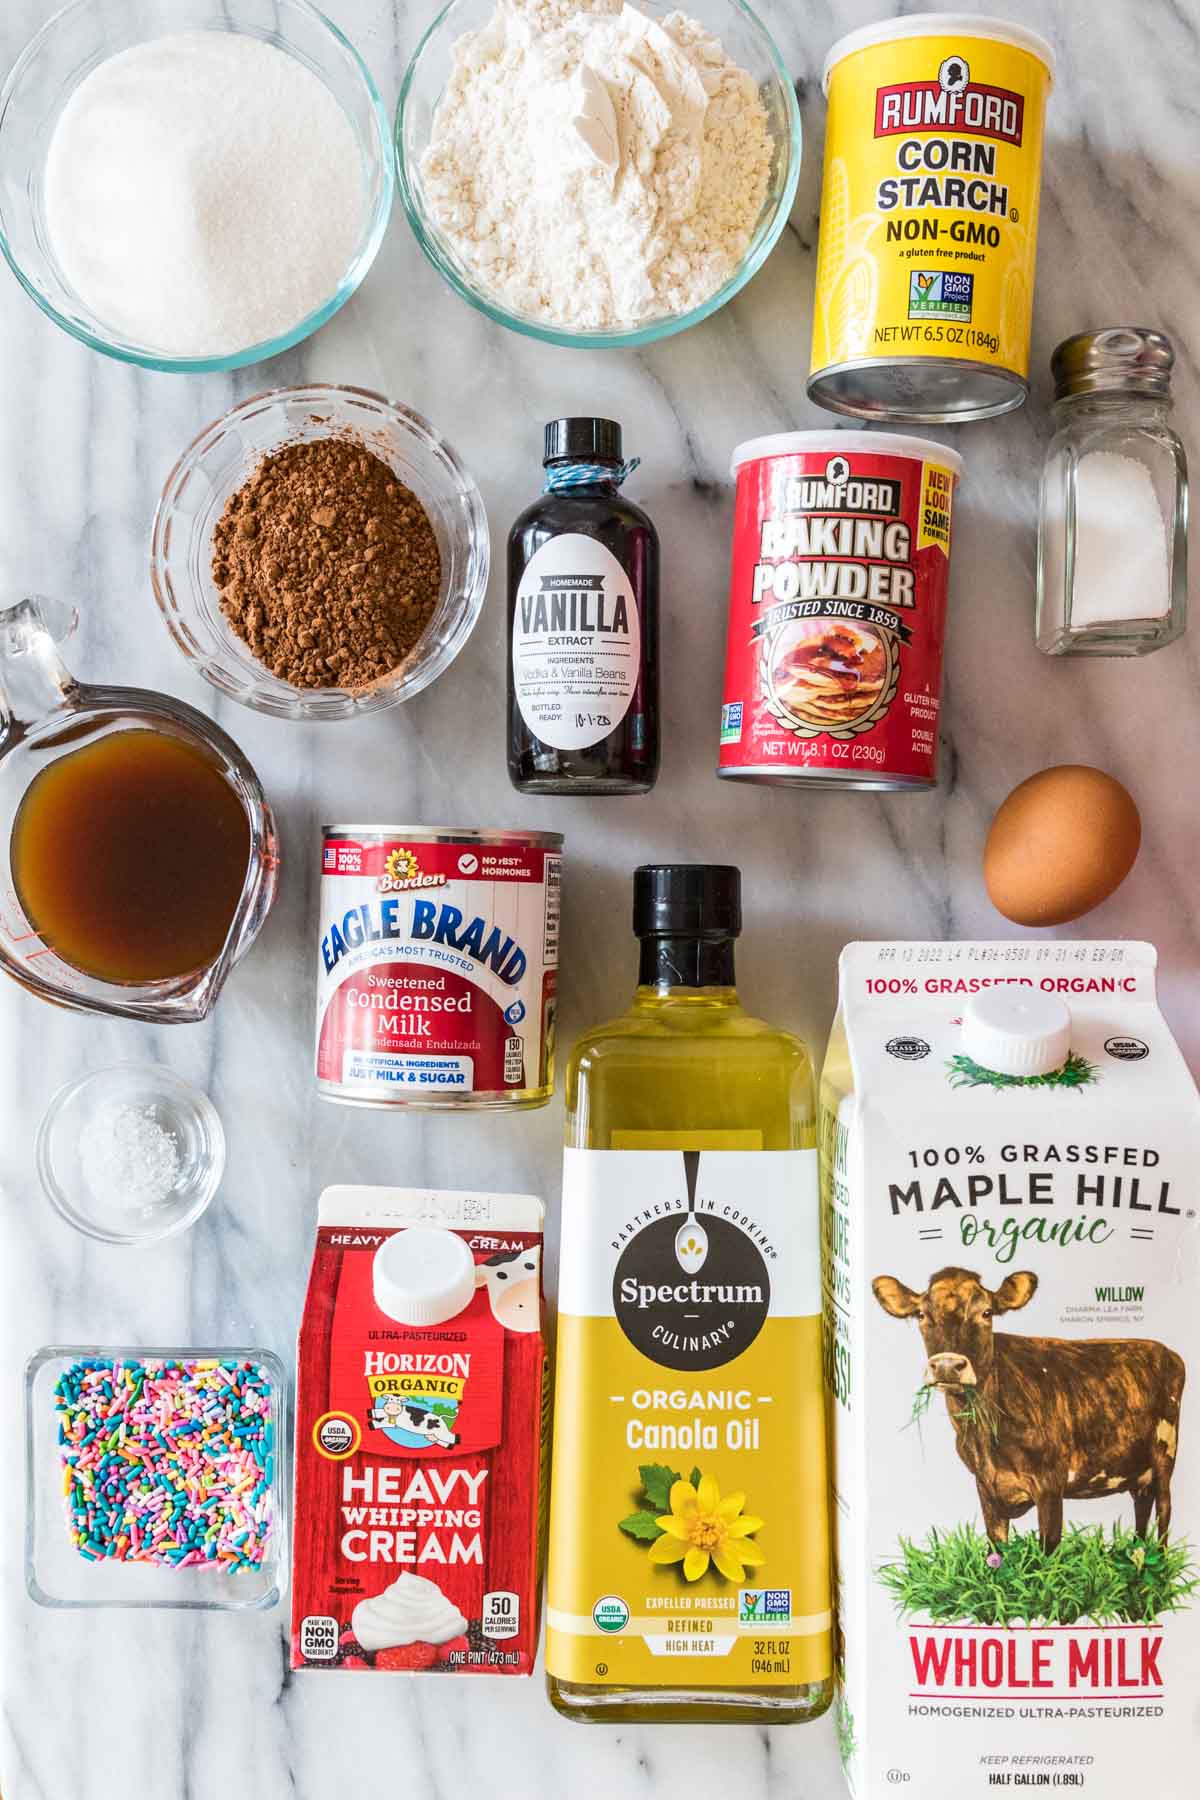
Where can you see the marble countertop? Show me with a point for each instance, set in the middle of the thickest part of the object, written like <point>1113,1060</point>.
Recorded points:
<point>177,1706</point>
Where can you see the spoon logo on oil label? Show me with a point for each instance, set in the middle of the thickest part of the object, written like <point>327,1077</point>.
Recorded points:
<point>671,1313</point>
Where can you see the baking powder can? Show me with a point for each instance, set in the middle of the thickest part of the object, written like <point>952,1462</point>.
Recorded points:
<point>929,215</point>
<point>837,609</point>
<point>437,966</point>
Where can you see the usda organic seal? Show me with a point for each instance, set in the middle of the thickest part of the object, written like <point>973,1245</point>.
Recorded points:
<point>610,1614</point>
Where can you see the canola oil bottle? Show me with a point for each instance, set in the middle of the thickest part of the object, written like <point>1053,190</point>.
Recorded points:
<point>689,1555</point>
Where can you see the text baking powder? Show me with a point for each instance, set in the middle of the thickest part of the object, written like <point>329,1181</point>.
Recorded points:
<point>438,963</point>
<point>837,609</point>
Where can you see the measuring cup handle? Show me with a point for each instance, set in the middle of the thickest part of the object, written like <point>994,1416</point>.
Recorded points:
<point>34,680</point>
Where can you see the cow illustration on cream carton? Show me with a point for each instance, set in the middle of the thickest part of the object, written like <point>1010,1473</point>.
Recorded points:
<point>1011,1257</point>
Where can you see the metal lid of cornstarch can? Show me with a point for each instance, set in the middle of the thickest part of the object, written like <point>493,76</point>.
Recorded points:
<point>438,966</point>
<point>929,212</point>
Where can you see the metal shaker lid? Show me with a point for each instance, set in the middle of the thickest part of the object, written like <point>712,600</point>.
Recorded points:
<point>1129,359</point>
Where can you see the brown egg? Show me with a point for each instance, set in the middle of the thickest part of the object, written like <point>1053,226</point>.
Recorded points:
<point>1061,843</point>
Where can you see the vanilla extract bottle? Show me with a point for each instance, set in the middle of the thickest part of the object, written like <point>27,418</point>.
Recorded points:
<point>583,624</point>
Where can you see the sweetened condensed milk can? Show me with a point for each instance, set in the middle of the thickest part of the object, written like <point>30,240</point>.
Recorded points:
<point>437,966</point>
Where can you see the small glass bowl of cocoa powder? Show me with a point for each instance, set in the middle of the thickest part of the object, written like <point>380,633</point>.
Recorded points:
<point>320,552</point>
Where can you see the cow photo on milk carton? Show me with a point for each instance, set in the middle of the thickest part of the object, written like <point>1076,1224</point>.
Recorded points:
<point>420,1434</point>
<point>1011,1260</point>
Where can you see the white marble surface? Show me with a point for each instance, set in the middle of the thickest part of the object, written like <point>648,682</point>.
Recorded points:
<point>161,1706</point>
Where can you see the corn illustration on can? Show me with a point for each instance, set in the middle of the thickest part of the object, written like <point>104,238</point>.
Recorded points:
<point>929,211</point>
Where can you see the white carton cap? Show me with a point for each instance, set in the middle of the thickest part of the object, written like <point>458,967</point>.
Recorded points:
<point>423,1276</point>
<point>1015,1031</point>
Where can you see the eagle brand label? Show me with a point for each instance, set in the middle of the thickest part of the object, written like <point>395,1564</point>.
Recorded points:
<point>437,966</point>
<point>689,1439</point>
<point>837,609</point>
<point>1010,1267</point>
<point>929,209</point>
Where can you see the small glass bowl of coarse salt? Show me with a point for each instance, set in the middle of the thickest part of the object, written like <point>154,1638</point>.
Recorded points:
<point>192,184</point>
<point>131,1153</point>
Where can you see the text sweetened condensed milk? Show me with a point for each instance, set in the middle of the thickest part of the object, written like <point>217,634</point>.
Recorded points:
<point>929,214</point>
<point>438,964</point>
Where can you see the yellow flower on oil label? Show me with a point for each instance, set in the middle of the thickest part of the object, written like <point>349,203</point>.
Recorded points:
<point>702,1528</point>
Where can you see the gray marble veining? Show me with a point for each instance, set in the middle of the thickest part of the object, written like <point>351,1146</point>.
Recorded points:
<point>175,1707</point>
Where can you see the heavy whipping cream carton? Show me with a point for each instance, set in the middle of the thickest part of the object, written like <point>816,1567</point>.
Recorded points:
<point>1011,1262</point>
<point>421,1432</point>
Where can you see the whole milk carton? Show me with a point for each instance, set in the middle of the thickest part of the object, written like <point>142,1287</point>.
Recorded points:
<point>422,1406</point>
<point>1011,1259</point>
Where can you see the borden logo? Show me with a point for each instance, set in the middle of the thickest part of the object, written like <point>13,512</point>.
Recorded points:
<point>692,1295</point>
<point>402,873</point>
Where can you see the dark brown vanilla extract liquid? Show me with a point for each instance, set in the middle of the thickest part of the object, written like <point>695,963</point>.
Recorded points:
<point>129,856</point>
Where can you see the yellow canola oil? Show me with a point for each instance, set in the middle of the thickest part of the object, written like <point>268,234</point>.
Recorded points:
<point>929,215</point>
<point>689,1557</point>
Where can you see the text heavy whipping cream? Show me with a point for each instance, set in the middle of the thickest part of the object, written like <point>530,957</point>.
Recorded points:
<point>421,1411</point>
<point>437,968</point>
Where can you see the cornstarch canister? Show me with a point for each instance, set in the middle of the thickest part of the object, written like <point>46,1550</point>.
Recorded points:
<point>929,213</point>
<point>837,609</point>
<point>438,966</point>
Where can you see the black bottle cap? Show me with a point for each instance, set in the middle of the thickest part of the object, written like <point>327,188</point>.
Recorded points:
<point>582,440</point>
<point>687,900</point>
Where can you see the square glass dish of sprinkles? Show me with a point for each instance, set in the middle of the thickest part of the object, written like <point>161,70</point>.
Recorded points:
<point>155,1477</point>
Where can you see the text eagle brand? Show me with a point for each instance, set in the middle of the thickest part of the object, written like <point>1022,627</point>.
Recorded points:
<point>369,924</point>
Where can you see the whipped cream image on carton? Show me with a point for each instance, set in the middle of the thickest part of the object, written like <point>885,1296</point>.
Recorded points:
<point>421,1414</point>
<point>1010,1141</point>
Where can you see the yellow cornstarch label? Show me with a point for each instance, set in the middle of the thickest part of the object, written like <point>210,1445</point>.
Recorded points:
<point>929,208</point>
<point>688,1540</point>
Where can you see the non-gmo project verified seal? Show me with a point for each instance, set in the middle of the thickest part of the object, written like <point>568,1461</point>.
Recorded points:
<point>731,723</point>
<point>765,1606</point>
<point>939,294</point>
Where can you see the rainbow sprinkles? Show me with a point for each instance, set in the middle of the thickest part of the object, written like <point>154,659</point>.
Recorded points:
<point>168,1463</point>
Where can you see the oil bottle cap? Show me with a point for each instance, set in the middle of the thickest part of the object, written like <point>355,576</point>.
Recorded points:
<point>423,1276</point>
<point>1016,1031</point>
<point>687,900</point>
<point>583,440</point>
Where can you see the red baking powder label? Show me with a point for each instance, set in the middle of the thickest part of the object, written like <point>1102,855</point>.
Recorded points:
<point>437,968</point>
<point>837,610</point>
<point>420,1448</point>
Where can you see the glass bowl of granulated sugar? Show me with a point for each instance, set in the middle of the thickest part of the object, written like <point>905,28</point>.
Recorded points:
<point>597,173</point>
<point>320,552</point>
<point>192,184</point>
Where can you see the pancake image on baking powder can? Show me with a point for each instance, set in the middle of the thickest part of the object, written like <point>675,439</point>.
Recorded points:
<point>837,609</point>
<point>929,214</point>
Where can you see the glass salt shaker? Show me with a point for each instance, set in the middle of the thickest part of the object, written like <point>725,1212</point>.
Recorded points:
<point>1112,531</point>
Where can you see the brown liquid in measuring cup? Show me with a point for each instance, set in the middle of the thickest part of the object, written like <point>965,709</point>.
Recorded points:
<point>129,857</point>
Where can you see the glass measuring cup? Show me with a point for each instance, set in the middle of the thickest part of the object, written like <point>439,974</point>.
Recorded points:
<point>46,714</point>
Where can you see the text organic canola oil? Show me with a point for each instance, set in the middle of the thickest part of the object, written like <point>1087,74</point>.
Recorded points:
<point>689,1561</point>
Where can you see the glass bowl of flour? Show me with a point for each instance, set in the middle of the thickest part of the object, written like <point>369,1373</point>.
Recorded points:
<point>191,184</point>
<point>597,173</point>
